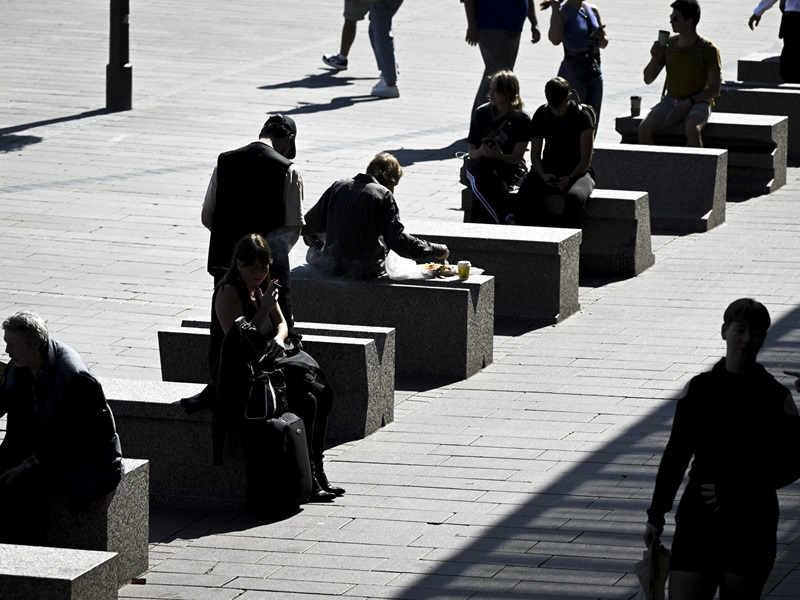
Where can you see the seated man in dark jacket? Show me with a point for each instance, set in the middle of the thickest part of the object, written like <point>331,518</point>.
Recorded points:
<point>60,436</point>
<point>356,222</point>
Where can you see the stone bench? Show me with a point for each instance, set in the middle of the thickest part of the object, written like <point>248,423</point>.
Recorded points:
<point>444,328</point>
<point>756,144</point>
<point>359,364</point>
<point>37,572</point>
<point>673,208</point>
<point>535,268</point>
<point>738,97</point>
<point>152,424</point>
<point>760,67</point>
<point>615,241</point>
<point>119,524</point>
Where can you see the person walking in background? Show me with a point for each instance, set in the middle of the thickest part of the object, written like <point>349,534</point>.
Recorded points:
<point>495,26</point>
<point>381,13</point>
<point>354,11</point>
<point>789,33</point>
<point>694,77</point>
<point>742,429</point>
<point>498,138</point>
<point>578,27</point>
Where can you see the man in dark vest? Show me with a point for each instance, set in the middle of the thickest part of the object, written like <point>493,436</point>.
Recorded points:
<point>257,189</point>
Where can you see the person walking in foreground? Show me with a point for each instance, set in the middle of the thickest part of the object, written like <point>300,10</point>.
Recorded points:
<point>694,77</point>
<point>742,429</point>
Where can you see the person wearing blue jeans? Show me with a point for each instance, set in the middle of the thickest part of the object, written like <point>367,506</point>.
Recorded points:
<point>381,13</point>
<point>577,26</point>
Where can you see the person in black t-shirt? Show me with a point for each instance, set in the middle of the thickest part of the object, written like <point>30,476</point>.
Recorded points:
<point>562,142</point>
<point>498,138</point>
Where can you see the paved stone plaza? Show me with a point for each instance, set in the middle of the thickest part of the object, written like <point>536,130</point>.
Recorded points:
<point>530,479</point>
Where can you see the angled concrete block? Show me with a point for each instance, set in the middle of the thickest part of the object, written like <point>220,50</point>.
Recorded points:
<point>757,148</point>
<point>535,268</point>
<point>760,67</point>
<point>777,100</point>
<point>118,523</point>
<point>39,572</point>
<point>657,171</point>
<point>444,328</point>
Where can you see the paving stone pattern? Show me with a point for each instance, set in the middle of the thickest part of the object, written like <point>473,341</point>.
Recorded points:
<point>528,480</point>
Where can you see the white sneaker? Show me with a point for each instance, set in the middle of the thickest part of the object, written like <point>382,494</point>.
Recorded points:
<point>384,90</point>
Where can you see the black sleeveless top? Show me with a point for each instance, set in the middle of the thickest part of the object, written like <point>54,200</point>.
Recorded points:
<point>249,311</point>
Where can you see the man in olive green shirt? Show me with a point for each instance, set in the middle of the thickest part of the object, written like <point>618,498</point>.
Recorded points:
<point>694,77</point>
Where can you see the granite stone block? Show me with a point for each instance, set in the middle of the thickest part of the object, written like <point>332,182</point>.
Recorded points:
<point>749,98</point>
<point>153,425</point>
<point>358,361</point>
<point>757,146</point>
<point>40,572</point>
<point>616,232</point>
<point>535,268</point>
<point>118,523</point>
<point>618,242</point>
<point>656,169</point>
<point>760,67</point>
<point>444,327</point>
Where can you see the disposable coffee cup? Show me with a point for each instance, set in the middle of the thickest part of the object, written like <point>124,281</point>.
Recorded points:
<point>463,269</point>
<point>636,106</point>
<point>663,38</point>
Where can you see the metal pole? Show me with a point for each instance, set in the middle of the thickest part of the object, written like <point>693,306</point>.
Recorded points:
<point>119,71</point>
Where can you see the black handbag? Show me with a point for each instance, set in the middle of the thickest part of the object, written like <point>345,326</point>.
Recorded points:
<point>587,66</point>
<point>267,397</point>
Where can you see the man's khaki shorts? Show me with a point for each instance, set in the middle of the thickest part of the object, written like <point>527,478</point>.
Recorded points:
<point>664,111</point>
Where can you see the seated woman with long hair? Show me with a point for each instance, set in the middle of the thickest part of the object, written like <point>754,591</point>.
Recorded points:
<point>498,138</point>
<point>246,290</point>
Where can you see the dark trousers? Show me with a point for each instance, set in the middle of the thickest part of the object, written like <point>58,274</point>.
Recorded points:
<point>790,57</point>
<point>22,509</point>
<point>490,181</point>
<point>533,192</point>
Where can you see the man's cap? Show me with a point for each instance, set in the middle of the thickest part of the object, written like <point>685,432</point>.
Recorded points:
<point>277,122</point>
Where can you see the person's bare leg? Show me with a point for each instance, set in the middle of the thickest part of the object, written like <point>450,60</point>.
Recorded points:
<point>348,37</point>
<point>684,585</point>
<point>693,125</point>
<point>649,125</point>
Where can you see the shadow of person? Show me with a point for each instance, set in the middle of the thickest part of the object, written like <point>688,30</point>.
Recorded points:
<point>12,143</point>
<point>335,103</point>
<point>315,81</point>
<point>410,156</point>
